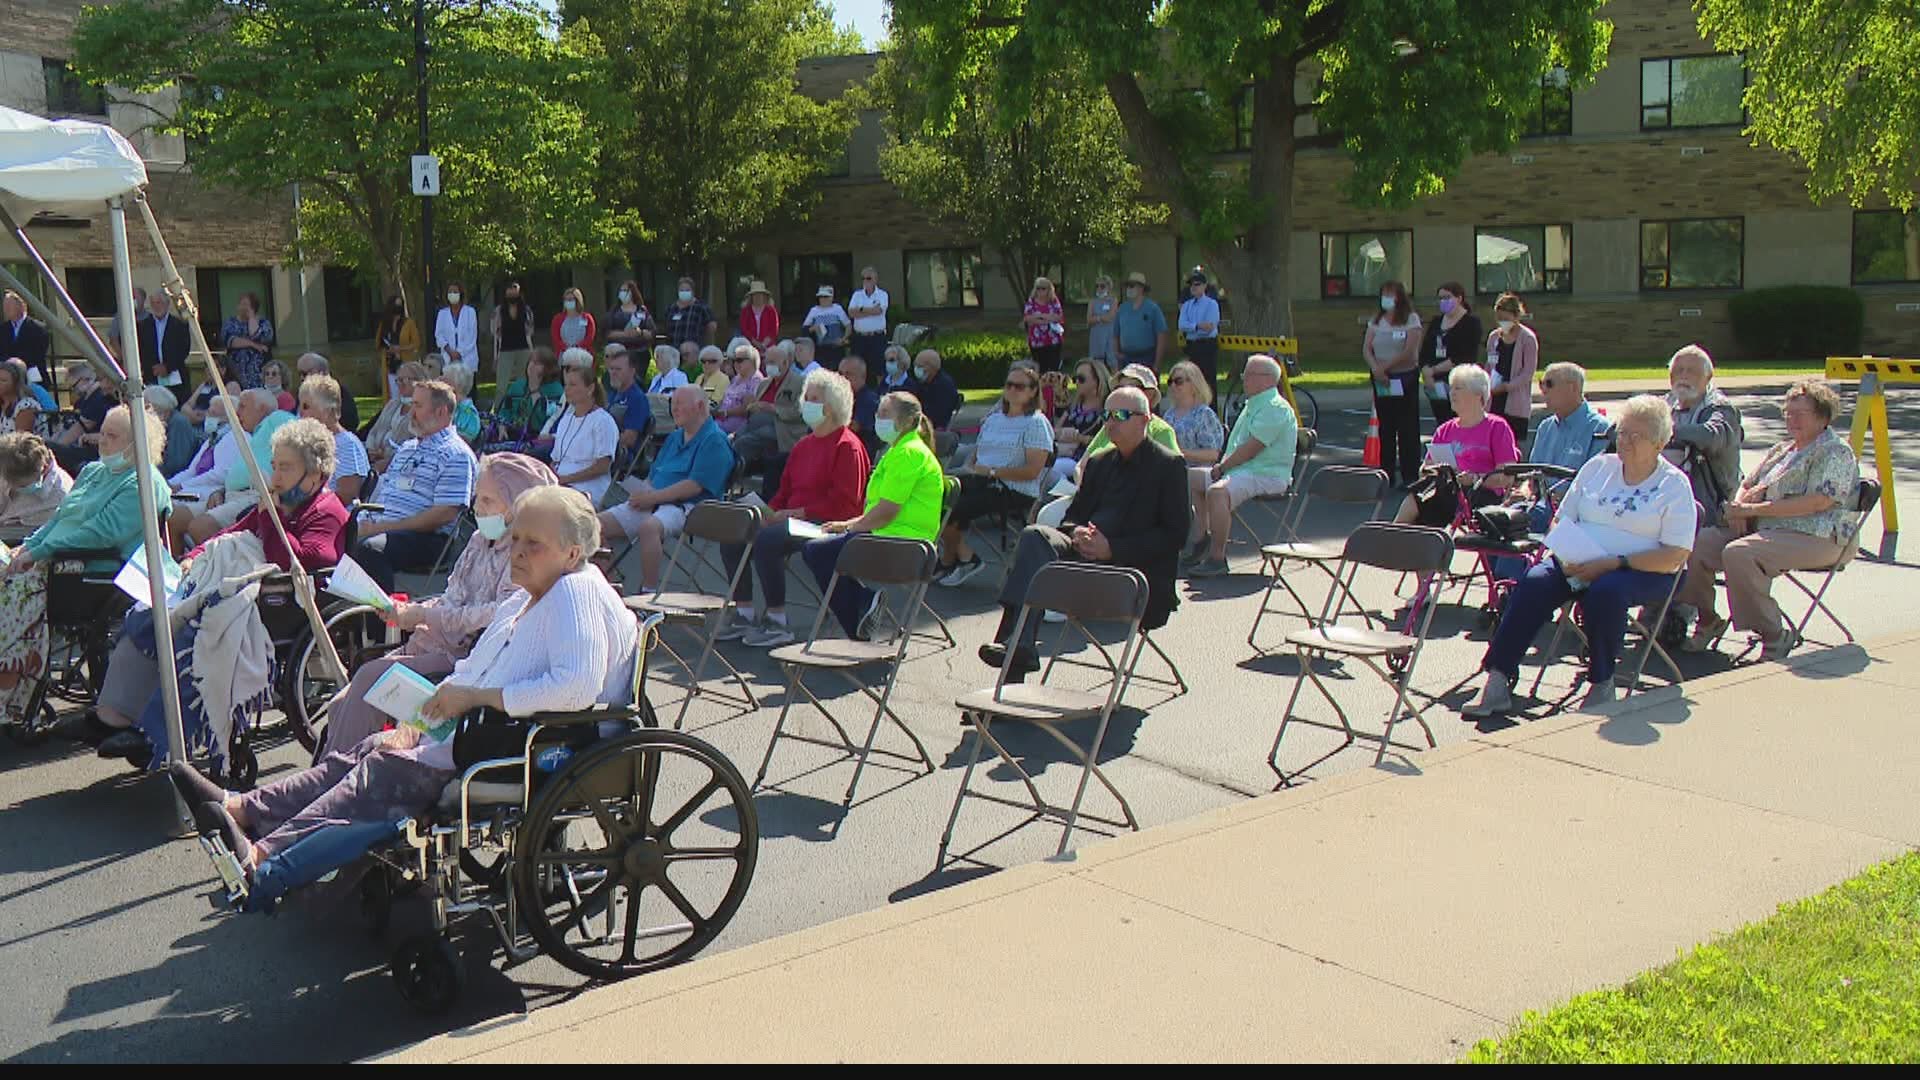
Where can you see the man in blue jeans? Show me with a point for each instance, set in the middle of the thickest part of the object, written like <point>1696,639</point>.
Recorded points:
<point>430,480</point>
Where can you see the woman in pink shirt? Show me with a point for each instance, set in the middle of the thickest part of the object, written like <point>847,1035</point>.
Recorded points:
<point>1481,442</point>
<point>1043,322</point>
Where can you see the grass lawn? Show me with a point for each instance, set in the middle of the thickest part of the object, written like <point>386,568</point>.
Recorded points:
<point>1835,978</point>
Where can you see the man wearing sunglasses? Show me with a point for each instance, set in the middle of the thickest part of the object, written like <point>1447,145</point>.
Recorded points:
<point>1131,510</point>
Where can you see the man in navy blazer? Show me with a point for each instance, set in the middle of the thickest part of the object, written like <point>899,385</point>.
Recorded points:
<point>164,347</point>
<point>22,337</point>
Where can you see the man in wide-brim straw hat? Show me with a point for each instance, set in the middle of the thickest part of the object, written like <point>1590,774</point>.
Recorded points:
<point>1140,327</point>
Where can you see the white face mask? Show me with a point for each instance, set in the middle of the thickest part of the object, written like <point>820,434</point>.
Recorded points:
<point>686,294</point>
<point>1386,303</point>
<point>1505,325</point>
<point>813,412</point>
<point>884,428</point>
<point>773,371</point>
<point>923,374</point>
<point>625,296</point>
<point>453,298</point>
<point>569,305</point>
<point>491,526</point>
<point>893,367</point>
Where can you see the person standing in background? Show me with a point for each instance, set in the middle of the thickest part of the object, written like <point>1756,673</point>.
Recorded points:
<point>456,330</point>
<point>1200,325</point>
<point>689,318</point>
<point>628,323</point>
<point>868,309</point>
<point>396,341</point>
<point>828,323</point>
<point>1100,312</point>
<point>1391,349</point>
<point>759,319</point>
<point>1513,355</point>
<point>1453,339</point>
<point>1041,318</point>
<point>164,346</point>
<point>1139,327</point>
<point>573,326</point>
<point>512,337</point>
<point>24,338</point>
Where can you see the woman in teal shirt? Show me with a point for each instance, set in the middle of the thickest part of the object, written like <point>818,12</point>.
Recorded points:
<point>904,498</point>
<point>525,411</point>
<point>100,513</point>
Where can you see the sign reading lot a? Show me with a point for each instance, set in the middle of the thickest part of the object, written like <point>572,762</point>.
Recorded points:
<point>426,174</point>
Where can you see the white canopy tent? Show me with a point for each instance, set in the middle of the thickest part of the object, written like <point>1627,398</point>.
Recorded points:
<point>75,166</point>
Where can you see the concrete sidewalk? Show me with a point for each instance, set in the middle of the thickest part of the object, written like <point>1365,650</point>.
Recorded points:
<point>1382,914</point>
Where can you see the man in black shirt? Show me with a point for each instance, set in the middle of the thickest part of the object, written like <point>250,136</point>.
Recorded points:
<point>1131,510</point>
<point>939,395</point>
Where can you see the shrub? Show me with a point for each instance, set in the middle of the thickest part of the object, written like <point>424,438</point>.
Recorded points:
<point>979,360</point>
<point>1798,321</point>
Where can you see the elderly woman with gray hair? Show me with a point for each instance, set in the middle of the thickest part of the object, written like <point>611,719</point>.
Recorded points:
<point>32,484</point>
<point>562,641</point>
<point>1479,445</point>
<point>320,402</point>
<point>1623,531</point>
<point>825,480</point>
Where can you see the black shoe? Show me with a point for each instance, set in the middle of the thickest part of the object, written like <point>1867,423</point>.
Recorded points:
<point>127,744</point>
<point>83,727</point>
<point>195,788</point>
<point>229,830</point>
<point>1025,661</point>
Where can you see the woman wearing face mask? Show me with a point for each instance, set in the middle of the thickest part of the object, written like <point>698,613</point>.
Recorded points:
<point>899,369</point>
<point>1455,338</point>
<point>825,479</point>
<point>512,335</point>
<point>101,512</point>
<point>32,484</point>
<point>742,389</point>
<point>130,718</point>
<point>456,330</point>
<point>396,341</point>
<point>248,339</point>
<point>584,436</point>
<point>1100,312</point>
<point>1513,355</point>
<point>629,322</point>
<point>1391,350</point>
<point>273,379</point>
<point>574,326</point>
<point>443,629</point>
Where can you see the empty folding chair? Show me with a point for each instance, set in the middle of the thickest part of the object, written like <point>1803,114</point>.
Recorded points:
<point>875,561</point>
<point>945,445</point>
<point>1392,655</point>
<point>1084,593</point>
<point>1275,506</point>
<point>1345,484</point>
<point>717,523</point>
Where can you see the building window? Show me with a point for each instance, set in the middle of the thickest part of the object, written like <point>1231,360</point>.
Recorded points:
<point>67,95</point>
<point>740,278</point>
<point>1243,119</point>
<point>1553,114</point>
<point>219,290</point>
<point>1886,246</point>
<point>92,288</point>
<point>1703,253</point>
<point>29,275</point>
<point>1523,259</point>
<point>1083,270</point>
<point>802,275</point>
<point>1692,91</point>
<point>1358,263</point>
<point>945,278</point>
<point>842,164</point>
<point>350,303</point>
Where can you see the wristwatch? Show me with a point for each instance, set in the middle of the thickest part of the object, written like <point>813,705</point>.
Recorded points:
<point>1621,563</point>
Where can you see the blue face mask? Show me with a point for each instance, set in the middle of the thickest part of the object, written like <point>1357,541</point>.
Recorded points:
<point>293,497</point>
<point>116,462</point>
<point>491,526</point>
<point>884,428</point>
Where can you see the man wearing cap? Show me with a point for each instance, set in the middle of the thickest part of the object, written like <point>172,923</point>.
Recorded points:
<point>827,321</point>
<point>868,308</point>
<point>1139,327</point>
<point>1200,325</point>
<point>759,318</point>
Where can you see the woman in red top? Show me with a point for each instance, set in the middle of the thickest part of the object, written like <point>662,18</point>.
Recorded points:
<point>759,319</point>
<point>574,327</point>
<point>825,480</point>
<point>315,520</point>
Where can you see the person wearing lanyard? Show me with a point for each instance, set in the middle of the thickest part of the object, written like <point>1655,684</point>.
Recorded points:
<point>1452,339</point>
<point>1513,355</point>
<point>1200,325</point>
<point>584,436</point>
<point>867,307</point>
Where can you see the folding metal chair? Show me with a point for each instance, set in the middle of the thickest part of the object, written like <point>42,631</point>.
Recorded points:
<point>875,561</point>
<point>1866,499</point>
<point>1346,484</point>
<point>1649,648</point>
<point>1275,506</point>
<point>1084,593</point>
<point>945,445</point>
<point>719,523</point>
<point>1397,549</point>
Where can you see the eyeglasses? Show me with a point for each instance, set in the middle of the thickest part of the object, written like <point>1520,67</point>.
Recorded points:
<point>1119,416</point>
<point>1546,384</point>
<point>1177,380</point>
<point>1021,384</point>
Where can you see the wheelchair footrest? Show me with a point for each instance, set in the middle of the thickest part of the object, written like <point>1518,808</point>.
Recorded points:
<point>228,866</point>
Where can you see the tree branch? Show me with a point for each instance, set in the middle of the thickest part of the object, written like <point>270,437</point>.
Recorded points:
<point>1320,30</point>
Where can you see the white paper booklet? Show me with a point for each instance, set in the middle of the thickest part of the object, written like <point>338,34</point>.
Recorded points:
<point>351,581</point>
<point>1442,454</point>
<point>1571,543</point>
<point>804,530</point>
<point>399,693</point>
<point>132,579</point>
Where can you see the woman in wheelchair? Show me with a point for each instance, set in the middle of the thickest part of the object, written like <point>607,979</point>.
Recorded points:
<point>128,721</point>
<point>442,630</point>
<point>100,519</point>
<point>562,641</point>
<point>1624,529</point>
<point>1481,444</point>
<point>32,484</point>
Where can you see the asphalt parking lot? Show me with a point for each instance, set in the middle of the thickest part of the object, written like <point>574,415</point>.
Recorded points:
<point>114,948</point>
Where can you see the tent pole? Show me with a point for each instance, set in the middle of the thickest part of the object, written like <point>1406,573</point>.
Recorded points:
<point>58,327</point>
<point>143,459</point>
<point>302,583</point>
<point>99,353</point>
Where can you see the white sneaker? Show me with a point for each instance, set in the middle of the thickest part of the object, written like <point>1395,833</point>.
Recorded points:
<point>770,636</point>
<point>1495,700</point>
<point>864,631</point>
<point>733,627</point>
<point>1054,617</point>
<point>962,571</point>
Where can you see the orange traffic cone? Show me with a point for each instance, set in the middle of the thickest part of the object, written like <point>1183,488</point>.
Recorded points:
<point>1370,452</point>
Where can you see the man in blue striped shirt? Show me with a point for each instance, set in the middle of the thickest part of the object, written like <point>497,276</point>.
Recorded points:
<point>422,492</point>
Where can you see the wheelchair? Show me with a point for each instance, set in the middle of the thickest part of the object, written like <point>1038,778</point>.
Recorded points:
<point>84,612</point>
<point>560,837</point>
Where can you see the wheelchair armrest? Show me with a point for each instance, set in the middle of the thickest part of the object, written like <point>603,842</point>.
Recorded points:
<point>585,716</point>
<point>359,508</point>
<point>185,497</point>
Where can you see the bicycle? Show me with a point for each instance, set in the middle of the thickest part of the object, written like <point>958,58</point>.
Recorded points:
<point>1305,408</point>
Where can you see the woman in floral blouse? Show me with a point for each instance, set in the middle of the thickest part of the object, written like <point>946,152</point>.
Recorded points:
<point>1794,512</point>
<point>1045,329</point>
<point>248,339</point>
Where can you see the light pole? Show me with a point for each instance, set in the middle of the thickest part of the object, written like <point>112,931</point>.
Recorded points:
<point>426,147</point>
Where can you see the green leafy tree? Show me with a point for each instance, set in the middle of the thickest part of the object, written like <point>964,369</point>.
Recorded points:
<point>1054,184</point>
<point>715,141</point>
<point>322,93</point>
<point>1835,83</point>
<point>820,37</point>
<point>1408,90</point>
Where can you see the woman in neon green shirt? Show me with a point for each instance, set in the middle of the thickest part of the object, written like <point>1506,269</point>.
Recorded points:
<point>904,497</point>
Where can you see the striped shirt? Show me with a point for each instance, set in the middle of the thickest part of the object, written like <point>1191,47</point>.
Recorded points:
<point>438,470</point>
<point>349,458</point>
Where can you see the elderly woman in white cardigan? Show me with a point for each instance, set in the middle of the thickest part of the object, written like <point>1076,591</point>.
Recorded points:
<point>562,641</point>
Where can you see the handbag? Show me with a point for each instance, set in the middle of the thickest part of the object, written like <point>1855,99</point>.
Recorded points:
<point>1436,498</point>
<point>1502,524</point>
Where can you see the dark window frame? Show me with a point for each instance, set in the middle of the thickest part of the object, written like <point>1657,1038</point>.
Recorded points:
<point>1853,248</point>
<point>1641,256</point>
<point>67,94</point>
<point>1566,288</point>
<point>1667,103</point>
<point>978,271</point>
<point>1537,123</point>
<point>86,290</point>
<point>1347,292</point>
<point>796,304</point>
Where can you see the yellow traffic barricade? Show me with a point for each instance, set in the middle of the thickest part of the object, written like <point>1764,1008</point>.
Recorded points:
<point>1875,374</point>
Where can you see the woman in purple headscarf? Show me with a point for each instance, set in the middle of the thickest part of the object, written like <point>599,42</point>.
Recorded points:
<point>444,628</point>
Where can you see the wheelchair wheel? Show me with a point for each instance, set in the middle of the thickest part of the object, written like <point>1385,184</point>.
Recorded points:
<point>309,687</point>
<point>428,972</point>
<point>243,767</point>
<point>33,728</point>
<point>636,855</point>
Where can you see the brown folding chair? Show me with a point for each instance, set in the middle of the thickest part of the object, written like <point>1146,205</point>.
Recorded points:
<point>1390,654</point>
<point>1275,506</point>
<point>875,561</point>
<point>1865,500</point>
<point>1084,593</point>
<point>716,522</point>
<point>1344,484</point>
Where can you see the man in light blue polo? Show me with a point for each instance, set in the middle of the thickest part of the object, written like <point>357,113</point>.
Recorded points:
<point>1139,326</point>
<point>692,465</point>
<point>1572,433</point>
<point>1200,325</point>
<point>1257,461</point>
<point>260,416</point>
<point>422,492</point>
